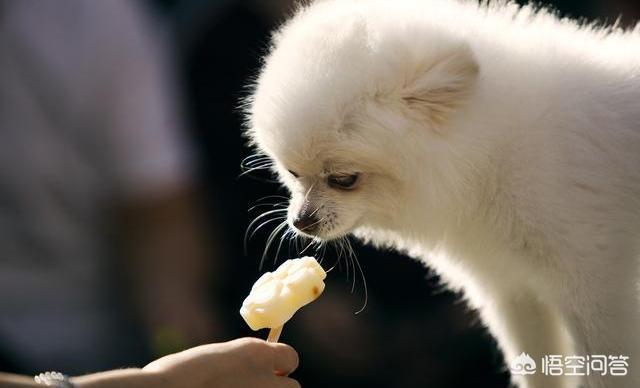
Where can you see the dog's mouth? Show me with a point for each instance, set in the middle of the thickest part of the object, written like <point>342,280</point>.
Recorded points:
<point>321,225</point>
<point>316,231</point>
<point>310,230</point>
<point>321,233</point>
<point>308,222</point>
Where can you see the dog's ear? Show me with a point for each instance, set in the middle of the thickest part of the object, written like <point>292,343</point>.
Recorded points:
<point>440,87</point>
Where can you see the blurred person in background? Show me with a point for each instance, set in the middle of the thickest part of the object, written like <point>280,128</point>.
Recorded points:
<point>101,252</point>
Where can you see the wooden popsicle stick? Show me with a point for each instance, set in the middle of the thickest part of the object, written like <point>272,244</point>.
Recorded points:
<point>274,334</point>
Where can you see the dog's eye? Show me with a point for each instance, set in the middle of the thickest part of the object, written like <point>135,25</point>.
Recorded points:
<point>295,174</point>
<point>343,182</point>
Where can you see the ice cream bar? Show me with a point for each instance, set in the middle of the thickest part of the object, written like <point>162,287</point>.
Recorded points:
<point>277,295</point>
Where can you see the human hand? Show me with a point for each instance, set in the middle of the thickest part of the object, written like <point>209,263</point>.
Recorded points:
<point>245,362</point>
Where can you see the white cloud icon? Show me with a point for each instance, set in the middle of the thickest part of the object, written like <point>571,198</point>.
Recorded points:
<point>523,365</point>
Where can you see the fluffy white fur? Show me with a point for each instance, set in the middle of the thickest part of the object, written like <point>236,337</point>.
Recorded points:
<point>499,145</point>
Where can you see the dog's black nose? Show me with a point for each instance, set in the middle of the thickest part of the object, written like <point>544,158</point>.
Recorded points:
<point>306,222</point>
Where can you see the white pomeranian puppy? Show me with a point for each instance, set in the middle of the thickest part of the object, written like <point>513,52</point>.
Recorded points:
<point>496,143</point>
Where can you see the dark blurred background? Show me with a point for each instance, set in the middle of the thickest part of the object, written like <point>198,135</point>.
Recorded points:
<point>155,216</point>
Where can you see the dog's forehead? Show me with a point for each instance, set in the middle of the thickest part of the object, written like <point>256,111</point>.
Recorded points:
<point>304,112</point>
<point>311,79</point>
<point>296,130</point>
<point>305,149</point>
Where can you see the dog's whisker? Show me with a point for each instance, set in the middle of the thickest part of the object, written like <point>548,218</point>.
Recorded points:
<point>335,264</point>
<point>248,161</point>
<point>255,161</point>
<point>257,164</point>
<point>351,268</point>
<point>249,234</point>
<point>318,249</point>
<point>274,204</point>
<point>352,260</point>
<point>351,251</point>
<point>340,252</point>
<point>334,246</point>
<point>271,196</point>
<point>307,247</point>
<point>275,218</point>
<point>364,284</point>
<point>250,170</point>
<point>254,158</point>
<point>299,242</point>
<point>313,213</point>
<point>306,195</point>
<point>262,215</point>
<point>282,238</point>
<point>274,213</point>
<point>261,164</point>
<point>346,262</point>
<point>272,236</point>
<point>246,242</point>
<point>290,243</point>
<point>313,224</point>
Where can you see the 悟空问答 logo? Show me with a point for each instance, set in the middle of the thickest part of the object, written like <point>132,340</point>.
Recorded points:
<point>523,365</point>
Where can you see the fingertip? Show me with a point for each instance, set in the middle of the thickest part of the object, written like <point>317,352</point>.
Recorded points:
<point>286,359</point>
